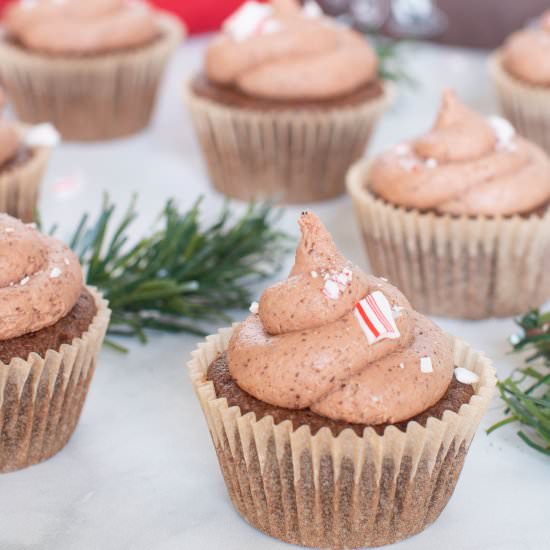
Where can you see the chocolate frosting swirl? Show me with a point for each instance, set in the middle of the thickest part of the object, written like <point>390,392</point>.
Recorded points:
<point>306,349</point>
<point>526,53</point>
<point>81,26</point>
<point>291,55</point>
<point>466,165</point>
<point>40,279</point>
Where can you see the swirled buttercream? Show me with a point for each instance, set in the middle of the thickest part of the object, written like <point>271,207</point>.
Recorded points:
<point>466,165</point>
<point>81,26</point>
<point>283,51</point>
<point>40,279</point>
<point>526,53</point>
<point>309,347</point>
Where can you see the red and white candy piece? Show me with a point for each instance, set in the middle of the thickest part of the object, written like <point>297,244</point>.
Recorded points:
<point>374,315</point>
<point>251,19</point>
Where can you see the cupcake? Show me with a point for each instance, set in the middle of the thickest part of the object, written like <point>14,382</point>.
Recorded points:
<point>286,102</point>
<point>51,331</point>
<point>520,70</point>
<point>91,68</point>
<point>24,155</point>
<point>459,218</point>
<point>340,416</point>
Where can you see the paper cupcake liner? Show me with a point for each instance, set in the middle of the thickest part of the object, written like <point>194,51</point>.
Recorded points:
<point>295,155</point>
<point>346,491</point>
<point>526,106</point>
<point>458,267</point>
<point>20,185</point>
<point>88,98</point>
<point>41,398</point>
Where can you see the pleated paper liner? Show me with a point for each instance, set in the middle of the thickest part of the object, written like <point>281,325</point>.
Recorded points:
<point>89,97</point>
<point>457,267</point>
<point>346,491</point>
<point>295,155</point>
<point>20,185</point>
<point>41,398</point>
<point>525,105</point>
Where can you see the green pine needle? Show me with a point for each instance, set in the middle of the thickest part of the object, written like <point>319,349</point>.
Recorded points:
<point>182,276</point>
<point>390,64</point>
<point>527,391</point>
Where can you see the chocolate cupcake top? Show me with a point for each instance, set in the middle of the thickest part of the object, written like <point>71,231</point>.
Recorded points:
<point>40,279</point>
<point>285,51</point>
<point>466,165</point>
<point>80,27</point>
<point>526,53</point>
<point>346,345</point>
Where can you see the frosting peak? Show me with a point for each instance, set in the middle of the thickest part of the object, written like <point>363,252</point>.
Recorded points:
<point>283,51</point>
<point>458,134</point>
<point>81,26</point>
<point>343,344</point>
<point>466,165</point>
<point>40,279</point>
<point>526,53</point>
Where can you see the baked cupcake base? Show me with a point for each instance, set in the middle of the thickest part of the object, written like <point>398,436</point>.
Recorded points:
<point>88,97</point>
<point>526,106</point>
<point>20,180</point>
<point>43,395</point>
<point>295,153</point>
<point>457,267</point>
<point>347,491</point>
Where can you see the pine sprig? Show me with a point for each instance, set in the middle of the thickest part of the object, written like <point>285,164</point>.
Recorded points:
<point>390,64</point>
<point>527,391</point>
<point>181,276</point>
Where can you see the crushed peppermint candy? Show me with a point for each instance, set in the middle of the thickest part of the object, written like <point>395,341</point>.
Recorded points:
<point>254,308</point>
<point>408,164</point>
<point>24,281</point>
<point>314,274</point>
<point>402,149</point>
<point>55,273</point>
<point>375,318</point>
<point>426,366</point>
<point>9,230</point>
<point>42,135</point>
<point>504,132</point>
<point>250,19</point>
<point>66,261</point>
<point>431,163</point>
<point>401,365</point>
<point>336,282</point>
<point>312,9</point>
<point>465,376</point>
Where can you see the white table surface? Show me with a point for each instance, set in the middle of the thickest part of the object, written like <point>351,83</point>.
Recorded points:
<point>140,471</point>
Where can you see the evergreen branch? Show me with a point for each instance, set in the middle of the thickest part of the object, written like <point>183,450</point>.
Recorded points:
<point>527,391</point>
<point>181,276</point>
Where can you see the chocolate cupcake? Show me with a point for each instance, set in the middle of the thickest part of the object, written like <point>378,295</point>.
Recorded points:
<point>340,416</point>
<point>24,155</point>
<point>520,70</point>
<point>459,218</point>
<point>287,101</point>
<point>51,331</point>
<point>91,68</point>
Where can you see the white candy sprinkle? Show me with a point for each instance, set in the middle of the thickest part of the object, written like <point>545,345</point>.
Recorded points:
<point>503,130</point>
<point>403,149</point>
<point>314,274</point>
<point>42,135</point>
<point>401,365</point>
<point>407,164</point>
<point>466,376</point>
<point>431,163</point>
<point>426,365</point>
<point>66,261</point>
<point>55,273</point>
<point>331,290</point>
<point>9,230</point>
<point>254,307</point>
<point>24,281</point>
<point>375,398</point>
<point>312,9</point>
